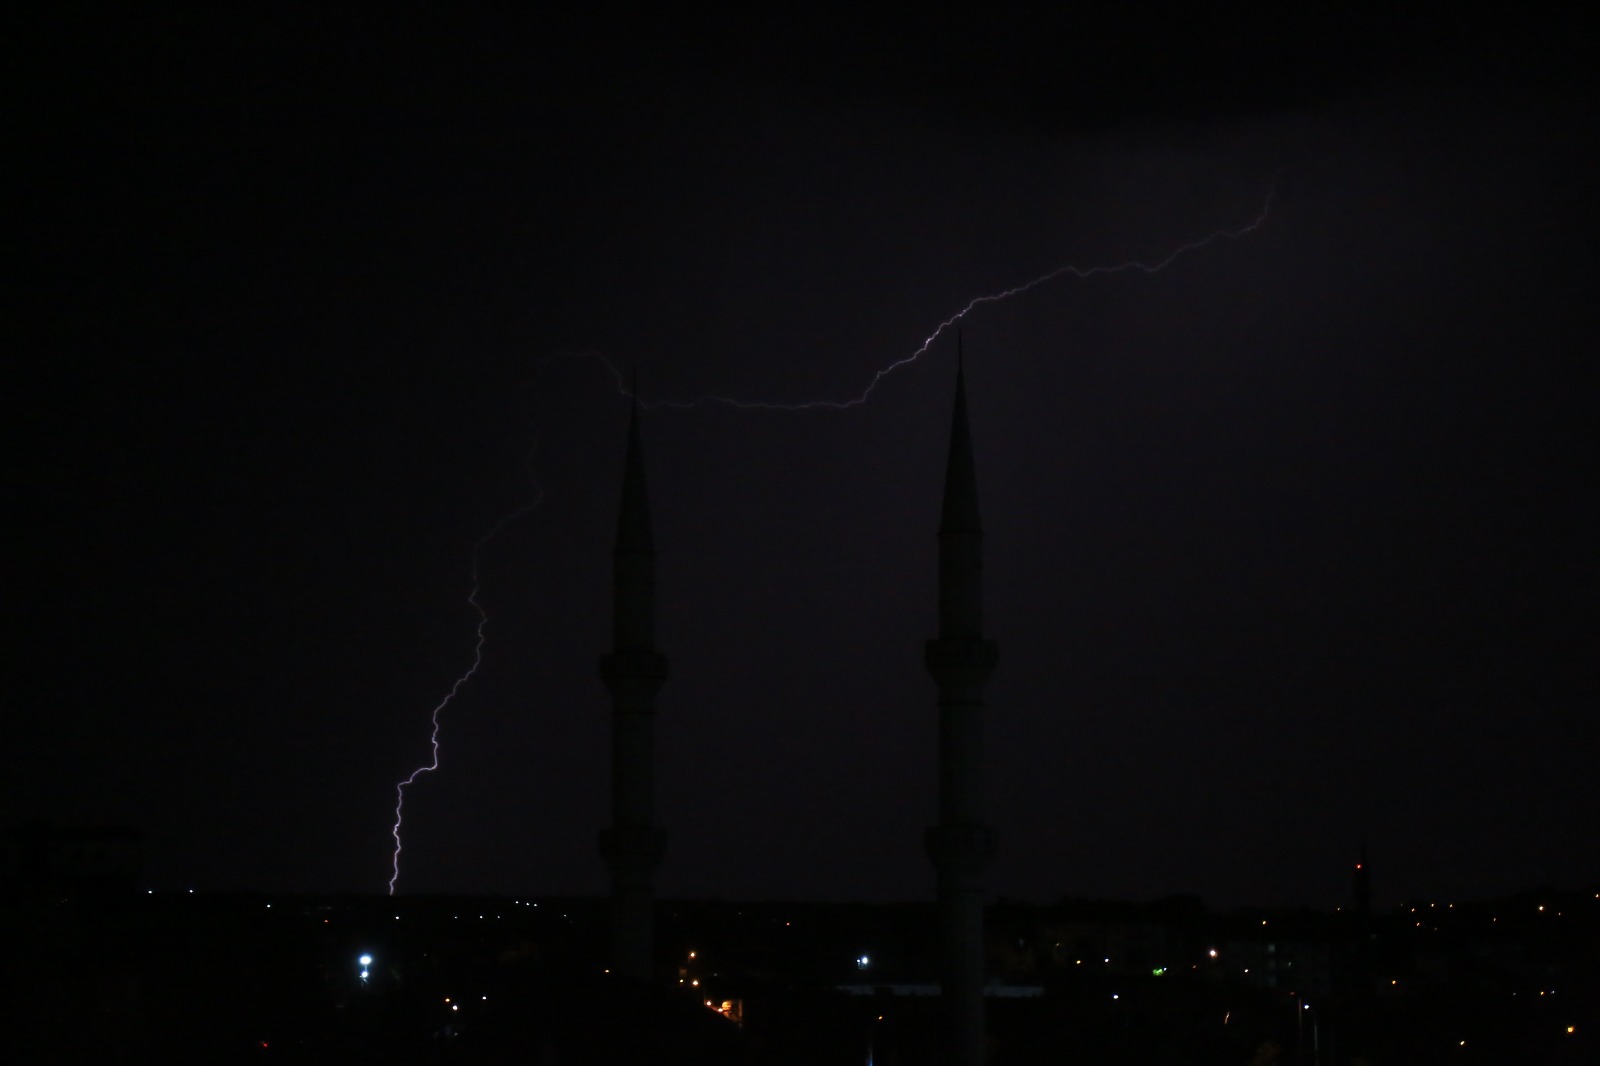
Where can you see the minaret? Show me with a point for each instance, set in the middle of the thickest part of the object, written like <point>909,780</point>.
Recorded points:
<point>961,660</point>
<point>632,846</point>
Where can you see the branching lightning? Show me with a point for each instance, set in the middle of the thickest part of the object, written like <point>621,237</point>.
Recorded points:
<point>623,387</point>
<point>477,661</point>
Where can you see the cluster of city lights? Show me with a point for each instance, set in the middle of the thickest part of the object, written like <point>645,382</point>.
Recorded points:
<point>731,1009</point>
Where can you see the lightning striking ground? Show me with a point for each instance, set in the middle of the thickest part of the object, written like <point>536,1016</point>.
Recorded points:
<point>631,392</point>
<point>477,661</point>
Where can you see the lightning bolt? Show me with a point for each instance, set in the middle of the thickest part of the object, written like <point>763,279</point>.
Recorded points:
<point>1068,270</point>
<point>623,388</point>
<point>477,661</point>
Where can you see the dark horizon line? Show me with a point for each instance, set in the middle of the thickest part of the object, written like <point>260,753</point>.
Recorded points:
<point>600,897</point>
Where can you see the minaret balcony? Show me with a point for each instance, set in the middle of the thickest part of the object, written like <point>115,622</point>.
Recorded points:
<point>961,661</point>
<point>962,852</point>
<point>632,852</point>
<point>635,670</point>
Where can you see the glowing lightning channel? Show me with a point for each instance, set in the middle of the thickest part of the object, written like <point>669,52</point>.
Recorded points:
<point>1130,267</point>
<point>477,661</point>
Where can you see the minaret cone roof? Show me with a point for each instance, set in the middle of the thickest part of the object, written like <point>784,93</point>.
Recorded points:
<point>960,514</point>
<point>633,518</point>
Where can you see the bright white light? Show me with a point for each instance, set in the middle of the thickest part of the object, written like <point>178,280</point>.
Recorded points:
<point>363,975</point>
<point>365,960</point>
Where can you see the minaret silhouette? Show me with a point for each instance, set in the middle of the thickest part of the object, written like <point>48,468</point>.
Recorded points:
<point>632,846</point>
<point>961,660</point>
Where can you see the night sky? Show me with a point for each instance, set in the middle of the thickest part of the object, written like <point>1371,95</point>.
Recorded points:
<point>1288,546</point>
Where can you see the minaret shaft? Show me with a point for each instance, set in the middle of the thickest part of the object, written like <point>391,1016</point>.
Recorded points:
<point>961,660</point>
<point>633,671</point>
<point>960,762</point>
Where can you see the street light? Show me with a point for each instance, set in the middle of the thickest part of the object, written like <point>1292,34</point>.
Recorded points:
<point>1300,1029</point>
